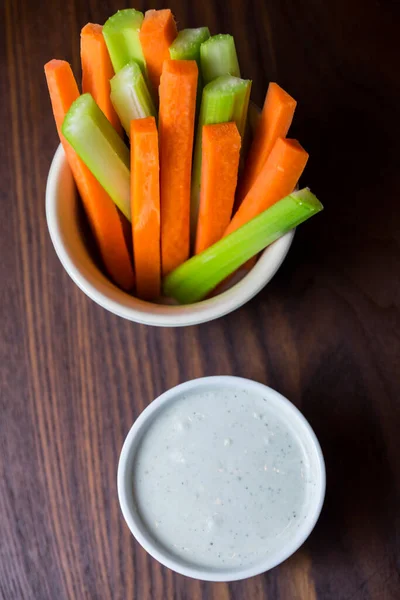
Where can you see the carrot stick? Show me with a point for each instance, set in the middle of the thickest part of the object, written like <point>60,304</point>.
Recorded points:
<point>276,118</point>
<point>276,180</point>
<point>104,218</point>
<point>145,206</point>
<point>219,168</point>
<point>97,71</point>
<point>176,125</point>
<point>157,33</point>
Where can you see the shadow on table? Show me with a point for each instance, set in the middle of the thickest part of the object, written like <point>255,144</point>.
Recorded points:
<point>355,534</point>
<point>356,529</point>
<point>348,246</point>
<point>353,170</point>
<point>360,481</point>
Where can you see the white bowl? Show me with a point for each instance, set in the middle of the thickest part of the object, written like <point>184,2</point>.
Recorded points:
<point>300,428</point>
<point>73,251</point>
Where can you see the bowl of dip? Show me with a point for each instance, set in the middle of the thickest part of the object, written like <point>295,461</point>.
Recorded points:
<point>221,478</point>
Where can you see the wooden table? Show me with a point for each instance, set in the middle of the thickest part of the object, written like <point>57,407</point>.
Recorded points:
<point>325,332</point>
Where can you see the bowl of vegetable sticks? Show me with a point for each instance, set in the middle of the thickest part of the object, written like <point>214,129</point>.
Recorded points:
<point>168,184</point>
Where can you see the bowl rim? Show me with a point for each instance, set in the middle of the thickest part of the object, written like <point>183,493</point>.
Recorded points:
<point>148,313</point>
<point>124,480</point>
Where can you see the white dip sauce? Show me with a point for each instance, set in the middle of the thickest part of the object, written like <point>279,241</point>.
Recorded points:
<point>221,480</point>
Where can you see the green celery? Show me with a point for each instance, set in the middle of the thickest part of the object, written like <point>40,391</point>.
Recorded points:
<point>130,95</point>
<point>199,275</point>
<point>121,34</point>
<point>218,57</point>
<point>186,45</point>
<point>100,147</point>
<point>224,99</point>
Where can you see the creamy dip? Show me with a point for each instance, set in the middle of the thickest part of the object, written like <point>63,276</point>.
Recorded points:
<point>222,478</point>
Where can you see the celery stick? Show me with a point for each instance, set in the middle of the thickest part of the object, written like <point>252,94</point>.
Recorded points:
<point>130,95</point>
<point>218,57</point>
<point>121,34</point>
<point>195,278</point>
<point>224,99</point>
<point>186,45</point>
<point>100,147</point>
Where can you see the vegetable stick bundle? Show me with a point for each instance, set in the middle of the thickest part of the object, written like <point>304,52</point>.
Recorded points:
<point>155,142</point>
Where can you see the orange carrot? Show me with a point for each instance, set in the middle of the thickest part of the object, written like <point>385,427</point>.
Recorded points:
<point>176,124</point>
<point>145,206</point>
<point>97,71</point>
<point>157,33</point>
<point>104,218</point>
<point>276,118</point>
<point>219,168</point>
<point>276,180</point>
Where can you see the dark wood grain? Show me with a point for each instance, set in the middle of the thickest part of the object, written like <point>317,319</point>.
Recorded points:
<point>325,332</point>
